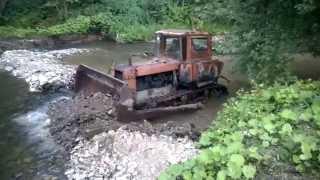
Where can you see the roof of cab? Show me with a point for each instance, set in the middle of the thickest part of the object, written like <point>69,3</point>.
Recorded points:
<point>181,32</point>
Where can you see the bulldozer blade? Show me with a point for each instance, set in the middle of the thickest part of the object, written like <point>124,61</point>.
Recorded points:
<point>89,81</point>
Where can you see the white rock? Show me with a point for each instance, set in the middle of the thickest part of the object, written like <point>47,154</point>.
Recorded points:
<point>127,155</point>
<point>40,68</point>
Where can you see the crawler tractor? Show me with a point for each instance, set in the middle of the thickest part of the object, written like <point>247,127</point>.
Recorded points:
<point>181,71</point>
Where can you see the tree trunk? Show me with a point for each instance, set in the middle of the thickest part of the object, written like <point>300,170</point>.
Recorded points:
<point>2,5</point>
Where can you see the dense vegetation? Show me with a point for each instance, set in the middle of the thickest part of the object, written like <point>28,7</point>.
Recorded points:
<point>263,132</point>
<point>125,20</point>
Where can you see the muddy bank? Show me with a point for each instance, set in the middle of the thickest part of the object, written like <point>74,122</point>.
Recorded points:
<point>46,42</point>
<point>42,70</point>
<point>80,117</point>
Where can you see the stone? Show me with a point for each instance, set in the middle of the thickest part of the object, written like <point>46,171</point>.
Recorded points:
<point>41,70</point>
<point>122,154</point>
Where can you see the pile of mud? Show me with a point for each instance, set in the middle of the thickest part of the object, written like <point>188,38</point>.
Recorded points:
<point>82,117</point>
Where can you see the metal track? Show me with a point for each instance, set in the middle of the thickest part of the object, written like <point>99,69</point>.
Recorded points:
<point>154,102</point>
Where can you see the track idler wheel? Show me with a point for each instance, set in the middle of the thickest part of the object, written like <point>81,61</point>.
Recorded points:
<point>221,90</point>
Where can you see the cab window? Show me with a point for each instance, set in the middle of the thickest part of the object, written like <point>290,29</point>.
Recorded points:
<point>172,48</point>
<point>200,44</point>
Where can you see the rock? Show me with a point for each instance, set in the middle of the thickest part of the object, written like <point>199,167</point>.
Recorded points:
<point>122,154</point>
<point>43,71</point>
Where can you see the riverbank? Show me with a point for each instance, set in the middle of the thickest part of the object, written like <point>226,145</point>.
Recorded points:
<point>46,43</point>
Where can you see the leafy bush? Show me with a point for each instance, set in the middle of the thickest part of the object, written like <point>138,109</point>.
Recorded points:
<point>79,25</point>
<point>9,31</point>
<point>266,130</point>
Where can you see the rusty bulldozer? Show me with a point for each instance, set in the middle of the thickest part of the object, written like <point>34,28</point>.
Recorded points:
<point>181,71</point>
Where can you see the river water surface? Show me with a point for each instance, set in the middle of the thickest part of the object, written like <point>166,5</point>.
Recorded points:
<point>26,149</point>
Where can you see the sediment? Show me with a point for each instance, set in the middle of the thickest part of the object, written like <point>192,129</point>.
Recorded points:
<point>82,117</point>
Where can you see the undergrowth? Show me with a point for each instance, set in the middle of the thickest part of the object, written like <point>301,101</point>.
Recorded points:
<point>111,27</point>
<point>270,131</point>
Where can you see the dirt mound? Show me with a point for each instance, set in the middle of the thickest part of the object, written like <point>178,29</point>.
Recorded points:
<point>83,117</point>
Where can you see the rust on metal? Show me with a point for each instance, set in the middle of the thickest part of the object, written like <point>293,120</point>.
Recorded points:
<point>182,70</point>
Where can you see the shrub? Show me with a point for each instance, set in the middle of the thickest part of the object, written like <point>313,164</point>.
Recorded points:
<point>79,25</point>
<point>266,131</point>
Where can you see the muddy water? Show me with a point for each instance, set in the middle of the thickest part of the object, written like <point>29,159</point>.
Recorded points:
<point>14,154</point>
<point>26,151</point>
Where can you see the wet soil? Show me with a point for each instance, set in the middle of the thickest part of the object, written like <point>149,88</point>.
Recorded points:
<point>86,116</point>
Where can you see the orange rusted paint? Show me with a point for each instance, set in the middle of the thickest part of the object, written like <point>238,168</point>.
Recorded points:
<point>156,68</point>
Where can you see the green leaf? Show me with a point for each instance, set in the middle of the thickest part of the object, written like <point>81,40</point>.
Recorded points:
<point>217,152</point>
<point>235,164</point>
<point>165,176</point>
<point>234,147</point>
<point>206,156</point>
<point>268,125</point>
<point>316,106</point>
<point>296,159</point>
<point>249,171</point>
<point>176,169</point>
<point>306,148</point>
<point>187,175</point>
<point>286,129</point>
<point>238,159</point>
<point>253,153</point>
<point>253,131</point>
<point>205,140</point>
<point>190,164</point>
<point>199,174</point>
<point>289,114</point>
<point>265,144</point>
<point>221,175</point>
<point>234,170</point>
<point>306,115</point>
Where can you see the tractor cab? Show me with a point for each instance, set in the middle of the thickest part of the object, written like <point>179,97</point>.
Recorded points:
<point>193,50</point>
<point>183,45</point>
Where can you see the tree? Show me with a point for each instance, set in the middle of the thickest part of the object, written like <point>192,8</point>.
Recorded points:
<point>267,32</point>
<point>3,4</point>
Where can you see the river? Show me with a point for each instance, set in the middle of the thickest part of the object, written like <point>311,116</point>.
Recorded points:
<point>28,152</point>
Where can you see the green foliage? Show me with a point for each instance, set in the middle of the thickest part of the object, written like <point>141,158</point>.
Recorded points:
<point>79,25</point>
<point>267,32</point>
<point>125,20</point>
<point>256,131</point>
<point>9,31</point>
